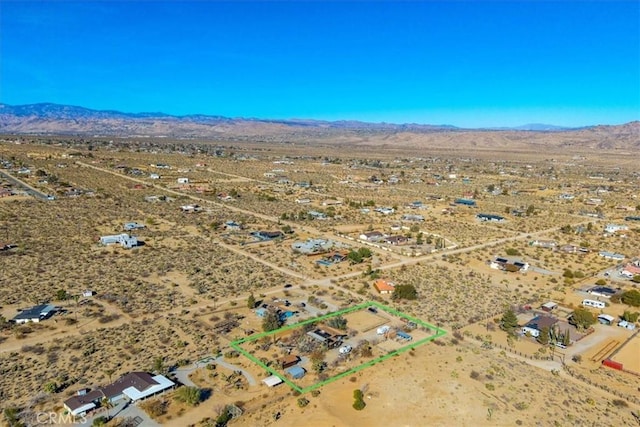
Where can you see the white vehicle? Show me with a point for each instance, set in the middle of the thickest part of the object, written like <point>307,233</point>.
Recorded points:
<point>345,349</point>
<point>383,330</point>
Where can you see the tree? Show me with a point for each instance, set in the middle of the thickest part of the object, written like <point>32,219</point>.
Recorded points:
<point>631,298</point>
<point>543,338</point>
<point>509,321</point>
<point>158,366</point>
<point>271,321</point>
<point>354,257</point>
<point>582,318</point>
<point>338,322</point>
<point>11,417</point>
<point>530,210</point>
<point>109,372</point>
<point>358,400</point>
<point>566,338</point>
<point>251,301</point>
<point>106,404</point>
<point>630,317</point>
<point>51,387</point>
<point>189,395</point>
<point>404,292</point>
<point>98,422</point>
<point>636,278</point>
<point>61,295</point>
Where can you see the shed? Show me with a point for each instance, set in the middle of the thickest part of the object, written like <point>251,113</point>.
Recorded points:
<point>288,361</point>
<point>272,381</point>
<point>296,372</point>
<point>549,306</point>
<point>261,312</point>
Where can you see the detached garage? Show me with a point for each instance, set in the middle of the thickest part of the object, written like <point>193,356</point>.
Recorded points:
<point>272,381</point>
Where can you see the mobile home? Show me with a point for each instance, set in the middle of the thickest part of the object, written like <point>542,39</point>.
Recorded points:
<point>592,303</point>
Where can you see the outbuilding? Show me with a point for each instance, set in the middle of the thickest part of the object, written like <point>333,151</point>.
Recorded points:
<point>296,372</point>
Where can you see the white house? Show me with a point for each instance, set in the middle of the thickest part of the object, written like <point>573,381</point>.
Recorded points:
<point>125,240</point>
<point>372,236</point>
<point>613,228</point>
<point>183,180</point>
<point>154,176</point>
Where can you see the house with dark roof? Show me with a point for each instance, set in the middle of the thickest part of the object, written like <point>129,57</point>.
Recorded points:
<point>34,314</point>
<point>133,386</point>
<point>535,325</point>
<point>490,217</point>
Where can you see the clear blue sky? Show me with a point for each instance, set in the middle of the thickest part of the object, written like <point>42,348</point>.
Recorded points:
<point>497,63</point>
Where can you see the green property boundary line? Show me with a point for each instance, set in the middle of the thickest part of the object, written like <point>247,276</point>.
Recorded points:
<point>237,344</point>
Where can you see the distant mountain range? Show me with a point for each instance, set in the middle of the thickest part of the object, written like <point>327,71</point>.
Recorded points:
<point>55,119</point>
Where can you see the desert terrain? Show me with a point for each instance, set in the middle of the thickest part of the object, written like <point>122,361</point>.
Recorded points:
<point>308,229</point>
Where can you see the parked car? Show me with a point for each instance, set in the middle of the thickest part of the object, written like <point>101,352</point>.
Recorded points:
<point>288,285</point>
<point>345,349</point>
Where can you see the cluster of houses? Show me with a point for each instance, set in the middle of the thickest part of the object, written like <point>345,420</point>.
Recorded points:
<point>133,387</point>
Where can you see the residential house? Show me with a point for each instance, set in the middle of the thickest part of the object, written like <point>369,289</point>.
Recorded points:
<point>606,319</point>
<point>412,218</point>
<point>372,236</point>
<point>124,240</point>
<point>613,228</point>
<point>490,217</point>
<point>611,255</point>
<point>128,226</point>
<point>535,325</point>
<point>232,226</point>
<point>303,201</point>
<point>465,202</point>
<point>190,208</point>
<point>383,286</point>
<point>312,246</point>
<point>183,180</point>
<point>34,314</point>
<point>548,244</point>
<point>133,386</point>
<point>397,240</point>
<point>267,235</point>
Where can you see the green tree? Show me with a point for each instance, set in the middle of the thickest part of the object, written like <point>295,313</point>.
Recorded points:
<point>11,417</point>
<point>404,292</point>
<point>509,321</point>
<point>271,321</point>
<point>364,252</point>
<point>354,257</point>
<point>158,366</point>
<point>51,387</point>
<point>251,301</point>
<point>566,338</point>
<point>338,322</point>
<point>631,298</point>
<point>530,210</point>
<point>61,295</point>
<point>636,278</point>
<point>358,400</point>
<point>543,338</point>
<point>189,395</point>
<point>99,422</point>
<point>582,318</point>
<point>630,317</point>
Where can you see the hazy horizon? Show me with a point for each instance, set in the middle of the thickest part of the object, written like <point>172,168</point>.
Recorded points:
<point>466,64</point>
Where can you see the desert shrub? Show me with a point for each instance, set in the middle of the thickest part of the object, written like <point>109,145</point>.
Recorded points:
<point>189,395</point>
<point>302,402</point>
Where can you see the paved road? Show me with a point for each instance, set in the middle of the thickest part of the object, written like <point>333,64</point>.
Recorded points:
<point>18,182</point>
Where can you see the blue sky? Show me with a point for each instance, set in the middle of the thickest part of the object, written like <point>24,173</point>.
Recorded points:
<point>497,63</point>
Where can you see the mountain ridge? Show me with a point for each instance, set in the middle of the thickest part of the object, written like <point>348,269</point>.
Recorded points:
<point>55,119</point>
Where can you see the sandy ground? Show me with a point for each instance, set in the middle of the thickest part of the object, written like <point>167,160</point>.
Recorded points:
<point>629,355</point>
